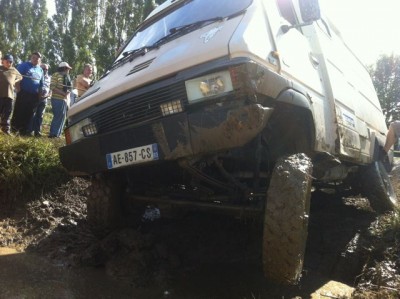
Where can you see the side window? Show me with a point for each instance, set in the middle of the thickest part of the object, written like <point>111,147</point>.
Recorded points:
<point>287,11</point>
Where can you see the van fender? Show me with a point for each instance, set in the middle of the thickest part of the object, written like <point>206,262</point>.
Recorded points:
<point>292,125</point>
<point>292,97</point>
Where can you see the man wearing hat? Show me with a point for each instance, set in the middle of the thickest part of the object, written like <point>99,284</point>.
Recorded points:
<point>29,94</point>
<point>61,87</point>
<point>8,77</point>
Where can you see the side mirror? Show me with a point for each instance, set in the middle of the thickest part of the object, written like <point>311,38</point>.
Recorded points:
<point>309,10</point>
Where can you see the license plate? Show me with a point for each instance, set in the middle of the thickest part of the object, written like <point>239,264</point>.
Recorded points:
<point>132,156</point>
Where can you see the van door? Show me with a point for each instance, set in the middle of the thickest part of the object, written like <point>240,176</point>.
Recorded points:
<point>358,112</point>
<point>301,65</point>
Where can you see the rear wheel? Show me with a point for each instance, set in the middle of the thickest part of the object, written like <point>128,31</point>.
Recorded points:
<point>104,202</point>
<point>286,219</point>
<point>377,186</point>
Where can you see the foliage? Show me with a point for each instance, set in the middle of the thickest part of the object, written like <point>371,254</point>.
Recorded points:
<point>81,31</point>
<point>380,277</point>
<point>386,78</point>
<point>29,167</point>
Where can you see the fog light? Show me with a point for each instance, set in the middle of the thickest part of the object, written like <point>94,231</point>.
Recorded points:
<point>171,107</point>
<point>89,130</point>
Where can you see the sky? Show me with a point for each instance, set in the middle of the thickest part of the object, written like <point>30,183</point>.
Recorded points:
<point>369,27</point>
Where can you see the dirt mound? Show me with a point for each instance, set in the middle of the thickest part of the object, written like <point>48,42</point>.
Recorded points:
<point>36,220</point>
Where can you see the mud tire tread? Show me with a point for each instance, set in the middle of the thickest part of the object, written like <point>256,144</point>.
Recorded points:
<point>378,188</point>
<point>103,203</point>
<point>286,219</point>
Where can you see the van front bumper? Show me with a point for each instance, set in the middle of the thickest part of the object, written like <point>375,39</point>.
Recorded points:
<point>177,136</point>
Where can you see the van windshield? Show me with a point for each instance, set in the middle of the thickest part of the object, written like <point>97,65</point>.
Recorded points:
<point>188,15</point>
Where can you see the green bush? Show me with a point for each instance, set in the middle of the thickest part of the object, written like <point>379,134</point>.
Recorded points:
<point>29,167</point>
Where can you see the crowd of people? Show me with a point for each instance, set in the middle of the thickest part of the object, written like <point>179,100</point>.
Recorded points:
<point>26,89</point>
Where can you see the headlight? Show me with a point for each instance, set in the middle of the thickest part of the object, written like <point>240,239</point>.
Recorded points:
<point>79,130</point>
<point>207,86</point>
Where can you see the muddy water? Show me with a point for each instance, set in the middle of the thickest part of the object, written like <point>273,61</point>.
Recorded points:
<point>218,259</point>
<point>25,275</point>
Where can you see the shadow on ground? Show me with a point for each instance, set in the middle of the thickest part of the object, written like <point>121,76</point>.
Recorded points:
<point>194,256</point>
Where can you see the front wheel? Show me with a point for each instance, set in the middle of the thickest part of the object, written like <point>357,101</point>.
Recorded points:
<point>378,188</point>
<point>286,219</point>
<point>104,202</point>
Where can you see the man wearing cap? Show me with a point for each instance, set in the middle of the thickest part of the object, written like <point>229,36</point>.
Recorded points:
<point>61,87</point>
<point>29,94</point>
<point>8,77</point>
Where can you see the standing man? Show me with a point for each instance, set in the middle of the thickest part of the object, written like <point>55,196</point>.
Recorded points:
<point>35,126</point>
<point>84,80</point>
<point>29,94</point>
<point>61,89</point>
<point>8,77</point>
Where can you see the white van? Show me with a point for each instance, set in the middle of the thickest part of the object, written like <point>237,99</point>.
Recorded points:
<point>232,105</point>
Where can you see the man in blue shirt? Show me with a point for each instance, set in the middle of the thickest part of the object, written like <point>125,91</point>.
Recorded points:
<point>37,120</point>
<point>29,94</point>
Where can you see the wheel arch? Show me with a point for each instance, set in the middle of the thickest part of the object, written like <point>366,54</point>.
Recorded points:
<point>291,124</point>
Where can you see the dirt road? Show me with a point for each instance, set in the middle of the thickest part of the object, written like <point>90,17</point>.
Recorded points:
<point>194,256</point>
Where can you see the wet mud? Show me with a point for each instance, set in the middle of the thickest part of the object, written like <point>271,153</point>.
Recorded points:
<point>55,255</point>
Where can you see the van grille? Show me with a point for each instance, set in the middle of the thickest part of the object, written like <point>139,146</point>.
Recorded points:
<point>139,108</point>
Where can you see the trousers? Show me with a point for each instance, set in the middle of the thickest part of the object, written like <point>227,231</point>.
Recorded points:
<point>25,106</point>
<point>35,125</point>
<point>59,108</point>
<point>5,113</point>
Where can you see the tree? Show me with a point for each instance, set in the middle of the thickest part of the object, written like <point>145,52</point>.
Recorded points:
<point>386,78</point>
<point>121,18</point>
<point>38,30</point>
<point>81,31</point>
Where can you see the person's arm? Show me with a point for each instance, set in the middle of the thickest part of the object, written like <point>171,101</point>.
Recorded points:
<point>56,86</point>
<point>18,76</point>
<point>17,82</point>
<point>21,70</point>
<point>390,137</point>
<point>41,83</point>
<point>46,87</point>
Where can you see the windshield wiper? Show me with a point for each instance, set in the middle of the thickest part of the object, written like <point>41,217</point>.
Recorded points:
<point>177,31</point>
<point>137,52</point>
<point>128,56</point>
<point>195,24</point>
<point>131,55</point>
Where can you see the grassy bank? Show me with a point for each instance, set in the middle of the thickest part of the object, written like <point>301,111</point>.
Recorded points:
<point>29,167</point>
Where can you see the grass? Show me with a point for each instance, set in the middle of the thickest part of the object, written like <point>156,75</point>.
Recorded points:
<point>48,116</point>
<point>29,167</point>
<point>380,278</point>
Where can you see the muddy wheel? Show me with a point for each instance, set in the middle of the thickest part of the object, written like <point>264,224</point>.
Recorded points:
<point>103,204</point>
<point>286,219</point>
<point>378,188</point>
